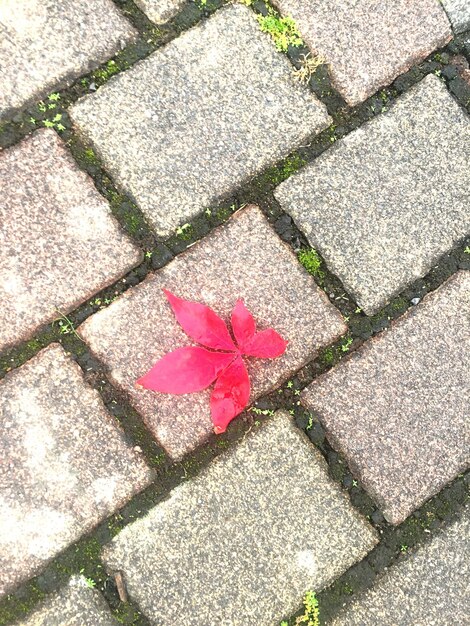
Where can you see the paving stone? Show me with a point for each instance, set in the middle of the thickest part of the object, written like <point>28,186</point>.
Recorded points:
<point>242,543</point>
<point>388,200</point>
<point>59,243</point>
<point>367,44</point>
<point>459,14</point>
<point>398,408</point>
<point>46,45</point>
<point>242,259</point>
<point>430,587</point>
<point>65,464</point>
<point>160,11</point>
<point>75,605</point>
<point>215,106</point>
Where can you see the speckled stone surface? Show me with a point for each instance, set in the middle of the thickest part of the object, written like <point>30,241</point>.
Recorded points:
<point>242,259</point>
<point>59,243</point>
<point>368,43</point>
<point>74,605</point>
<point>215,106</point>
<point>459,14</point>
<point>429,588</point>
<point>398,408</point>
<point>240,544</point>
<point>160,11</point>
<point>46,45</point>
<point>388,200</point>
<point>65,464</point>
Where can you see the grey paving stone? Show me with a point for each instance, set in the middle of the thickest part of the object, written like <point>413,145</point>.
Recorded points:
<point>429,588</point>
<point>215,106</point>
<point>398,408</point>
<point>74,605</point>
<point>160,11</point>
<point>367,44</point>
<point>242,543</point>
<point>59,243</point>
<point>65,464</point>
<point>388,200</point>
<point>459,14</point>
<point>242,259</point>
<point>46,45</point>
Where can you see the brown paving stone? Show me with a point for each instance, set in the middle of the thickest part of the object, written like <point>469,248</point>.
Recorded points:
<point>240,544</point>
<point>389,199</point>
<point>64,463</point>
<point>368,43</point>
<point>242,259</point>
<point>45,45</point>
<point>398,408</point>
<point>74,605</point>
<point>59,243</point>
<point>160,11</point>
<point>428,588</point>
<point>215,106</point>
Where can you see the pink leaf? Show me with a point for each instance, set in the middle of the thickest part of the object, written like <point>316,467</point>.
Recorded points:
<point>267,344</point>
<point>230,395</point>
<point>243,324</point>
<point>201,323</point>
<point>185,370</point>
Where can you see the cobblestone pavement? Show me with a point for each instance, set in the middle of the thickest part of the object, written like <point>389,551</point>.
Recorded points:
<point>204,147</point>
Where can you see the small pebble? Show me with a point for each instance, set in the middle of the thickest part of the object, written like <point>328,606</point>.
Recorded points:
<point>415,301</point>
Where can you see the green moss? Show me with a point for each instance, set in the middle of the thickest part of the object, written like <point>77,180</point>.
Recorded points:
<point>327,356</point>
<point>311,260</point>
<point>277,174</point>
<point>13,609</point>
<point>102,74</point>
<point>282,30</point>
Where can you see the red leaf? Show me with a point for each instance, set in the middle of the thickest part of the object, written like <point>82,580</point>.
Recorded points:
<point>185,370</point>
<point>267,344</point>
<point>230,395</point>
<point>243,324</point>
<point>201,323</point>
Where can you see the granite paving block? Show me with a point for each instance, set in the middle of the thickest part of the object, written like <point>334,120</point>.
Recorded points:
<point>459,14</point>
<point>46,45</point>
<point>160,11</point>
<point>59,243</point>
<point>398,408</point>
<point>389,199</point>
<point>214,107</point>
<point>368,43</point>
<point>242,259</point>
<point>65,465</point>
<point>240,544</point>
<point>74,605</point>
<point>429,588</point>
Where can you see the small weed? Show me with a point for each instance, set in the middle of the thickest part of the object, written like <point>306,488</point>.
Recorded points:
<point>346,343</point>
<point>312,262</point>
<point>90,582</point>
<point>55,122</point>
<point>66,326</point>
<point>185,231</point>
<point>257,411</point>
<point>282,30</point>
<point>404,548</point>
<point>311,616</point>
<point>467,250</point>
<point>309,423</point>
<point>308,66</point>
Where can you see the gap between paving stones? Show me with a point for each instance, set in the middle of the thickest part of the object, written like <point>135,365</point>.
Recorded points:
<point>74,343</point>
